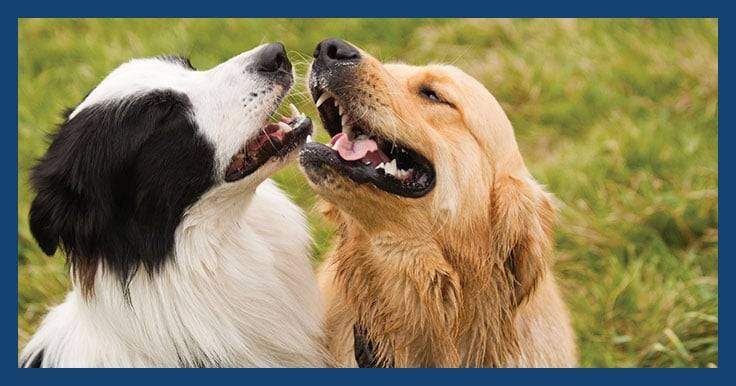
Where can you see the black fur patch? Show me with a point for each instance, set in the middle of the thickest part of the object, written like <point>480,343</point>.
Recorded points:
<point>33,361</point>
<point>115,181</point>
<point>365,353</point>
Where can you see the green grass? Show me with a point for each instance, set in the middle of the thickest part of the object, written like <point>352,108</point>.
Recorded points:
<point>617,117</point>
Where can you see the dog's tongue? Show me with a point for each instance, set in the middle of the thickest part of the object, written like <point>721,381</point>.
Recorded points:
<point>352,150</point>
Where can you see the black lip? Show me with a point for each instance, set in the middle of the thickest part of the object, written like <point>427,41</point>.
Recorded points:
<point>314,157</point>
<point>293,139</point>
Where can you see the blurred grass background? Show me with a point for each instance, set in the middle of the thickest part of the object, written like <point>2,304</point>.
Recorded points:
<point>619,118</point>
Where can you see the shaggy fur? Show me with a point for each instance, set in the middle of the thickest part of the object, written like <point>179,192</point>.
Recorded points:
<point>171,265</point>
<point>461,276</point>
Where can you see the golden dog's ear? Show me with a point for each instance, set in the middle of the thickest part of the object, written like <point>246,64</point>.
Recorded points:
<point>522,231</point>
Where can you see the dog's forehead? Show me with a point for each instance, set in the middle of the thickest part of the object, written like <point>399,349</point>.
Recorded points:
<point>139,76</point>
<point>442,73</point>
<point>403,72</point>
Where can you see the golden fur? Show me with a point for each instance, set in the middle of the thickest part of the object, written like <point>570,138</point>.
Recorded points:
<point>461,276</point>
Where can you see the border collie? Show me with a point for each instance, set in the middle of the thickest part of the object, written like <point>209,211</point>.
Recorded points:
<point>181,252</point>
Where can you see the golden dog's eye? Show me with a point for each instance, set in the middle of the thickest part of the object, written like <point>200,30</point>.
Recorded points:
<point>429,94</point>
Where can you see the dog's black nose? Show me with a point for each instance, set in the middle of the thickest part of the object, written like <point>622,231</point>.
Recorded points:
<point>335,50</point>
<point>272,58</point>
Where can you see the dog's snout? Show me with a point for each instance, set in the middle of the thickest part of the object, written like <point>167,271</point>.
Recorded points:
<point>335,50</point>
<point>272,58</point>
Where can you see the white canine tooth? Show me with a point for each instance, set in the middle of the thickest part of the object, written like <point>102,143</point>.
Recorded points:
<point>336,103</point>
<point>294,111</point>
<point>339,109</point>
<point>322,99</point>
<point>381,166</point>
<point>391,168</point>
<point>344,120</point>
<point>283,126</point>
<point>309,138</point>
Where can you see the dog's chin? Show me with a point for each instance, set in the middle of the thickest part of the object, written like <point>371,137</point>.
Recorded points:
<point>264,172</point>
<point>328,183</point>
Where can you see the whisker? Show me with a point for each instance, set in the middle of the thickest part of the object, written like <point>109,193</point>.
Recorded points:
<point>301,55</point>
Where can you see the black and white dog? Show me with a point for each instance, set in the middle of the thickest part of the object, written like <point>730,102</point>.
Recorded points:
<point>182,253</point>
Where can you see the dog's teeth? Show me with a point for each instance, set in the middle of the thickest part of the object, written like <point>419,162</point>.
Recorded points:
<point>348,130</point>
<point>391,168</point>
<point>381,166</point>
<point>340,110</point>
<point>322,99</point>
<point>309,139</point>
<point>294,111</point>
<point>283,126</point>
<point>344,120</point>
<point>336,104</point>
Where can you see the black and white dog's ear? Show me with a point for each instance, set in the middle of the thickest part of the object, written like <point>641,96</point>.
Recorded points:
<point>44,220</point>
<point>73,202</point>
<point>42,226</point>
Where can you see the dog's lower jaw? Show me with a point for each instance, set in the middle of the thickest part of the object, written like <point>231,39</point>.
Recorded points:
<point>235,294</point>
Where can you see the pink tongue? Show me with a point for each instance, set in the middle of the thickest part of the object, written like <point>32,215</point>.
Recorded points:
<point>351,151</point>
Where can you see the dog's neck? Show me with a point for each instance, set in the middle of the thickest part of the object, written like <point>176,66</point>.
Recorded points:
<point>422,301</point>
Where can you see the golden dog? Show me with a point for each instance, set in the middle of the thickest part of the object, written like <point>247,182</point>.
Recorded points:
<point>444,247</point>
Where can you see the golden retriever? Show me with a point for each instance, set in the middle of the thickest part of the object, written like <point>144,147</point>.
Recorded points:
<point>444,246</point>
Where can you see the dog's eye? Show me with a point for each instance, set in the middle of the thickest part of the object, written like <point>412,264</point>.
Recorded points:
<point>429,94</point>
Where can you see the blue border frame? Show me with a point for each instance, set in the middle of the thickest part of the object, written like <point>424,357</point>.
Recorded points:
<point>331,8</point>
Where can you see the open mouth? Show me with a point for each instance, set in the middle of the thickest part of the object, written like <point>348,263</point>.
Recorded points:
<point>275,141</point>
<point>361,154</point>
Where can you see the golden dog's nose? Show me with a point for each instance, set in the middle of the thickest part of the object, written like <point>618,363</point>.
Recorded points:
<point>331,51</point>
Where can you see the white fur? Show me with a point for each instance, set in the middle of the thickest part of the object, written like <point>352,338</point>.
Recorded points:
<point>238,290</point>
